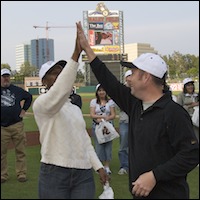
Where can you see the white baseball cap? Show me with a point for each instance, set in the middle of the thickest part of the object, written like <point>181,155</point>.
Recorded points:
<point>128,73</point>
<point>48,65</point>
<point>148,62</point>
<point>187,80</point>
<point>5,71</point>
<point>105,32</point>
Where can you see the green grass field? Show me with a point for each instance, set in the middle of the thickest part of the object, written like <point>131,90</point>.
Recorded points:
<point>13,189</point>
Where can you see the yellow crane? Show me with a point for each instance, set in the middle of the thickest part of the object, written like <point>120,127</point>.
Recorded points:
<point>47,37</point>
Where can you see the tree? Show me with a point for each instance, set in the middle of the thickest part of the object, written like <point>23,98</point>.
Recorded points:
<point>7,66</point>
<point>79,77</point>
<point>181,66</point>
<point>27,70</point>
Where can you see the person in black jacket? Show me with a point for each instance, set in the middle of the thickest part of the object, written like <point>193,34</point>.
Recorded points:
<point>75,98</point>
<point>163,148</point>
<point>15,101</point>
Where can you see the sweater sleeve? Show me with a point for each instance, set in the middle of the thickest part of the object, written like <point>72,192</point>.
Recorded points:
<point>52,101</point>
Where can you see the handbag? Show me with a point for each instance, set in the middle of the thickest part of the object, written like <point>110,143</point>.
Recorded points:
<point>107,192</point>
<point>105,132</point>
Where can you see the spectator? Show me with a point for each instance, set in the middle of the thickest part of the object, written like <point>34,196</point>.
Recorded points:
<point>15,101</point>
<point>102,108</point>
<point>163,148</point>
<point>123,131</point>
<point>188,98</point>
<point>67,154</point>
<point>75,98</point>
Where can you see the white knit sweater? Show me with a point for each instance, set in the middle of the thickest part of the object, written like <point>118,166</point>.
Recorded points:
<point>63,136</point>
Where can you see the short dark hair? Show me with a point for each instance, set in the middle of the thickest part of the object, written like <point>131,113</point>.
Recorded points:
<point>162,81</point>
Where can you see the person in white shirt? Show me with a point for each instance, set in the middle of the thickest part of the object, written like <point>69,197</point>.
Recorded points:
<point>67,154</point>
<point>188,98</point>
<point>102,107</point>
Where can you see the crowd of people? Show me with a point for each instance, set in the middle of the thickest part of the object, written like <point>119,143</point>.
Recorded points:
<point>159,145</point>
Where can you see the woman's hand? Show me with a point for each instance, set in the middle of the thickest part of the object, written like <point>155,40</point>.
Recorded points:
<point>78,49</point>
<point>103,176</point>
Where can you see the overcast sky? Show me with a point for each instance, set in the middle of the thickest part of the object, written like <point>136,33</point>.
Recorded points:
<point>167,25</point>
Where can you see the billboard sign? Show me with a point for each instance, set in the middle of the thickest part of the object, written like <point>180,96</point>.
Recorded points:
<point>103,30</point>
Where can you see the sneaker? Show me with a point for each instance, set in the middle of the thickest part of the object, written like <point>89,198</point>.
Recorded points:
<point>107,169</point>
<point>3,180</point>
<point>22,178</point>
<point>122,171</point>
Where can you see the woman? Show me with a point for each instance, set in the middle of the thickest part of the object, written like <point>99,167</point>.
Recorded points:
<point>67,154</point>
<point>102,108</point>
<point>189,99</point>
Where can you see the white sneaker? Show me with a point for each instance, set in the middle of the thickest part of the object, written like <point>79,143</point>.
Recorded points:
<point>122,171</point>
<point>107,169</point>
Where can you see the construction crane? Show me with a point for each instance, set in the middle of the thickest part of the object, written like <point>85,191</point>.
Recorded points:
<point>47,36</point>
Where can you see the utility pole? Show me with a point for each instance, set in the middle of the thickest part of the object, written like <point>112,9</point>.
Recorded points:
<point>47,36</point>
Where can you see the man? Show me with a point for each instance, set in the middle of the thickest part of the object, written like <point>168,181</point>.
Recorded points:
<point>163,148</point>
<point>123,131</point>
<point>15,101</point>
<point>75,98</point>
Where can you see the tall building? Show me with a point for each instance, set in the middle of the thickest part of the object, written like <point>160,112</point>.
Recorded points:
<point>36,53</point>
<point>136,49</point>
<point>23,54</point>
<point>42,50</point>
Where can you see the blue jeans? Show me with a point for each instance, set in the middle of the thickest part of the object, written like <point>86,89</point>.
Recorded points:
<point>103,151</point>
<point>123,150</point>
<point>65,183</point>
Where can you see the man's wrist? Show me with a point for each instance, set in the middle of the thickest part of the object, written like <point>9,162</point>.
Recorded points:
<point>90,53</point>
